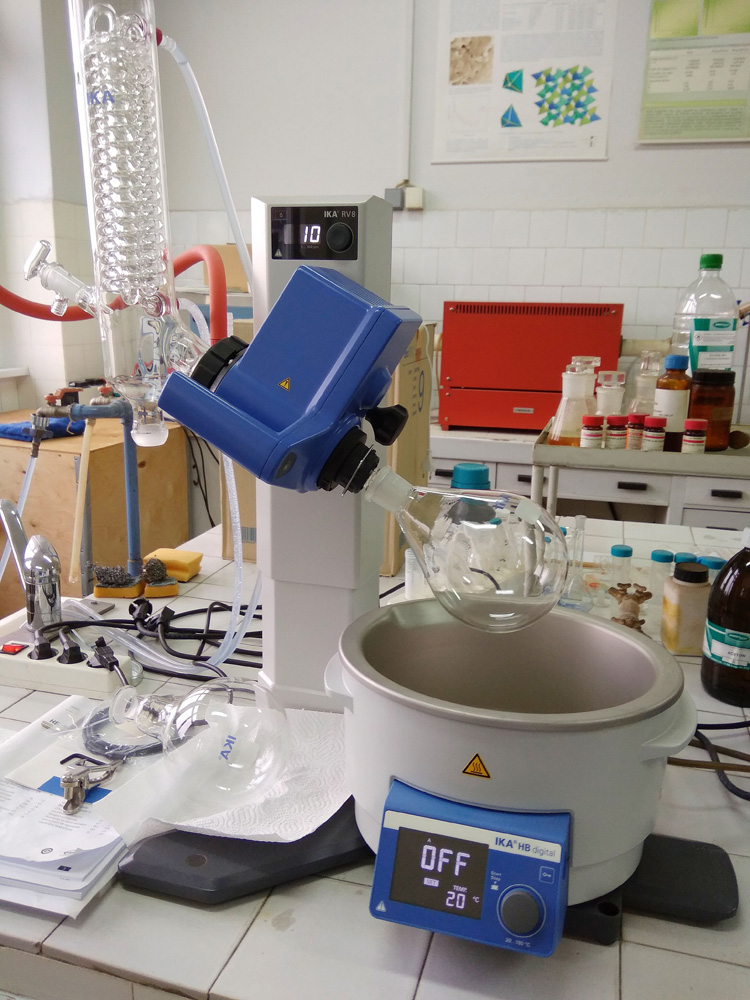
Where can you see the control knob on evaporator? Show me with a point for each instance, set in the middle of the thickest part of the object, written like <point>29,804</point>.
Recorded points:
<point>339,237</point>
<point>520,911</point>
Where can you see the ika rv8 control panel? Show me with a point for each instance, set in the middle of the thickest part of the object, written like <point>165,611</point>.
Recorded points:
<point>483,874</point>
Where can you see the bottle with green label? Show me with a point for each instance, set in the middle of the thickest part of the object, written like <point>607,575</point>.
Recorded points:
<point>725,666</point>
<point>706,319</point>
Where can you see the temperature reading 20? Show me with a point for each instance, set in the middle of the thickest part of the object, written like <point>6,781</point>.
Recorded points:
<point>310,234</point>
<point>456,898</point>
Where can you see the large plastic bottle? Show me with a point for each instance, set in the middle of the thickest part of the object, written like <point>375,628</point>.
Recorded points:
<point>725,667</point>
<point>705,322</point>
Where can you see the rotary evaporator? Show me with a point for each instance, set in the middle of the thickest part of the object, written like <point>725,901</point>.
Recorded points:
<point>505,756</point>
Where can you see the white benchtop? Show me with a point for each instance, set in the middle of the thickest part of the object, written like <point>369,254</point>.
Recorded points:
<point>315,940</point>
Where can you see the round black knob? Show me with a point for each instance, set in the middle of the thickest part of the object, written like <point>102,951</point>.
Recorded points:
<point>387,422</point>
<point>520,911</point>
<point>339,237</point>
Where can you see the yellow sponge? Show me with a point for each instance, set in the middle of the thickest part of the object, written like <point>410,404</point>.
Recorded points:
<point>180,563</point>
<point>135,591</point>
<point>162,588</point>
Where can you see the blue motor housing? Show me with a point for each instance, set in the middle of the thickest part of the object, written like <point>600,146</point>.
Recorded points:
<point>290,405</point>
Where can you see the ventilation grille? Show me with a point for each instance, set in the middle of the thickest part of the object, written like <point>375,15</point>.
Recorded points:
<point>531,308</point>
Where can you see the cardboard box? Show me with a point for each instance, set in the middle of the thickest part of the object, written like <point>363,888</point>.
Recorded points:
<point>236,277</point>
<point>408,456</point>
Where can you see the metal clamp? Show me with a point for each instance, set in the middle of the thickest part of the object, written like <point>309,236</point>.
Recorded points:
<point>78,779</point>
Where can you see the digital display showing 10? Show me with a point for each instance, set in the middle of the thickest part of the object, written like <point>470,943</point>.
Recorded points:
<point>309,235</point>
<point>440,873</point>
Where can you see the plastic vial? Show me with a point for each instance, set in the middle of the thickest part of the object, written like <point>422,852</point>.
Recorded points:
<point>672,398</point>
<point>684,608</point>
<point>621,564</point>
<point>660,570</point>
<point>705,322</point>
<point>713,564</point>
<point>592,430</point>
<point>615,433</point>
<point>653,433</point>
<point>681,557</point>
<point>712,399</point>
<point>725,667</point>
<point>574,405</point>
<point>694,436</point>
<point>634,435</point>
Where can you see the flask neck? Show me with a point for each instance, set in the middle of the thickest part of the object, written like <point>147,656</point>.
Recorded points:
<point>387,489</point>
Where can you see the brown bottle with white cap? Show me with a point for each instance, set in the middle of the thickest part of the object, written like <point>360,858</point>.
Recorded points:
<point>725,667</point>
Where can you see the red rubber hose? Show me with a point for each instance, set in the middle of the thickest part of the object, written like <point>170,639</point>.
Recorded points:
<point>217,290</point>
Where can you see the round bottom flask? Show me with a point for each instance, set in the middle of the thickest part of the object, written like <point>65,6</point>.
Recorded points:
<point>226,742</point>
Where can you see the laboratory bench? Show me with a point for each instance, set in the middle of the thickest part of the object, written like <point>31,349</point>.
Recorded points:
<point>314,939</point>
<point>709,490</point>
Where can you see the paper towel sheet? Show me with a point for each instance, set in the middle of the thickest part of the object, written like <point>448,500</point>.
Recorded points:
<point>311,789</point>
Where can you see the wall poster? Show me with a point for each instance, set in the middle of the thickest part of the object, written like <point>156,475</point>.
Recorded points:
<point>523,80</point>
<point>697,85</point>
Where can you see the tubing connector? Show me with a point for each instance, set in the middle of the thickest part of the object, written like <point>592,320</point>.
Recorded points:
<point>55,278</point>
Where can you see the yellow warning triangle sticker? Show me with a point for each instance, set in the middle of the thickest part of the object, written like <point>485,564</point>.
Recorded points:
<point>476,767</point>
<point>285,384</point>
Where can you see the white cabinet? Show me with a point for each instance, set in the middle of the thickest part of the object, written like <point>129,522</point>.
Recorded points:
<point>711,491</point>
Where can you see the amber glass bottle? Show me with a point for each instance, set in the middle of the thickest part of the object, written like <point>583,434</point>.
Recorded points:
<point>712,398</point>
<point>725,667</point>
<point>672,398</point>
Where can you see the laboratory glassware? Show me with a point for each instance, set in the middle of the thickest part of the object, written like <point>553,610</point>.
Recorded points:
<point>494,560</point>
<point>574,404</point>
<point>672,398</point>
<point>117,89</point>
<point>576,594</point>
<point>725,667</point>
<point>610,392</point>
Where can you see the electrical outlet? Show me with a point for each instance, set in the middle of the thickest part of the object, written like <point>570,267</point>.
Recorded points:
<point>413,198</point>
<point>17,669</point>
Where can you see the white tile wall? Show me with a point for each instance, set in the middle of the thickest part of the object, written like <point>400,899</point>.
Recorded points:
<point>641,257</point>
<point>54,352</point>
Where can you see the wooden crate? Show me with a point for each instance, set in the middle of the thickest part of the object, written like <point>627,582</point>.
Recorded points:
<point>50,507</point>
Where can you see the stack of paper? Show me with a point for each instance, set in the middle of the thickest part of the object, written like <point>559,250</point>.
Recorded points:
<point>47,850</point>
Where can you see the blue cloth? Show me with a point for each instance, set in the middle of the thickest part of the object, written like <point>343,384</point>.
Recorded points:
<point>58,427</point>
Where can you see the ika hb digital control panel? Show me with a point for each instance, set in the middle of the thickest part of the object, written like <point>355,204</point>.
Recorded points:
<point>488,875</point>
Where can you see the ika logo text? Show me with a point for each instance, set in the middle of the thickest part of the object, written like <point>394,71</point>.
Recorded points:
<point>100,97</point>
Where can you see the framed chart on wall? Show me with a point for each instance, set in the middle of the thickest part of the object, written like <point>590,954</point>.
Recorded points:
<point>523,80</point>
<point>697,82</point>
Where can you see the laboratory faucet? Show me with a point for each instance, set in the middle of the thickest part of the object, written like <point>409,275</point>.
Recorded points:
<point>39,568</point>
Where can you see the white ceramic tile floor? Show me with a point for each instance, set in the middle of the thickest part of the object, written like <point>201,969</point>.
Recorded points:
<point>316,939</point>
<point>651,974</point>
<point>40,978</point>
<point>10,695</point>
<point>159,942</point>
<point>29,708</point>
<point>461,970</point>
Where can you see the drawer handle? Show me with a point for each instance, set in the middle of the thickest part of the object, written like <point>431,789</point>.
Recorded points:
<point>727,494</point>
<point>524,477</point>
<point>632,486</point>
<point>446,473</point>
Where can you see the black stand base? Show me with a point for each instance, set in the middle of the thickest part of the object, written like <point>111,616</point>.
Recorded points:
<point>677,879</point>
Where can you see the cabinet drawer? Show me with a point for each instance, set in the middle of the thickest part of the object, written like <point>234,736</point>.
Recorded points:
<point>515,478</point>
<point>710,517</point>
<point>594,484</point>
<point>732,494</point>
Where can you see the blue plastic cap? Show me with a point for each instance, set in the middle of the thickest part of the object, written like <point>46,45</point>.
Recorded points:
<point>679,361</point>
<point>470,476</point>
<point>662,556</point>
<point>712,562</point>
<point>623,551</point>
<point>684,557</point>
